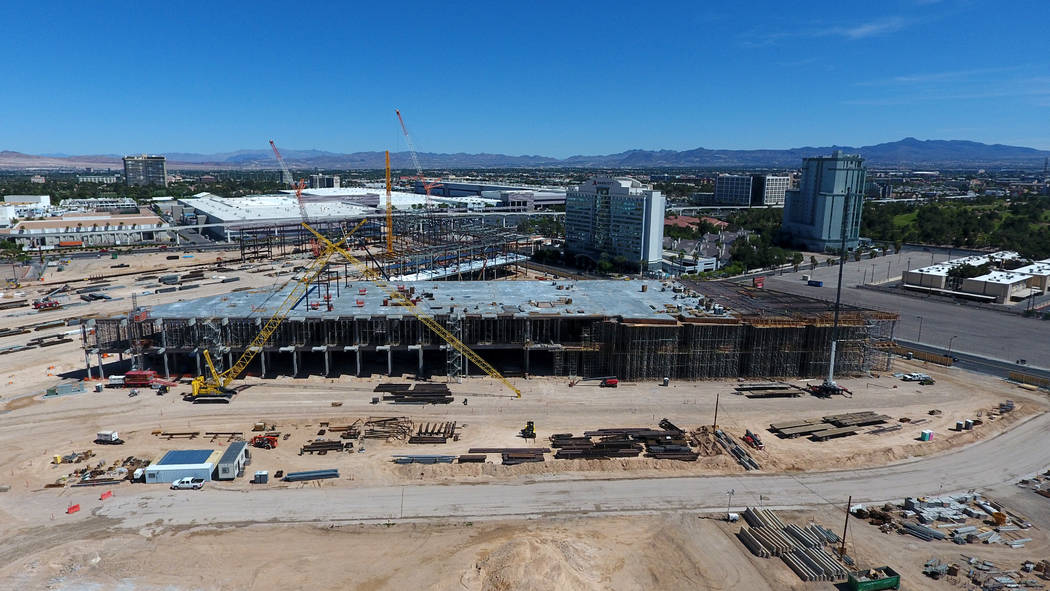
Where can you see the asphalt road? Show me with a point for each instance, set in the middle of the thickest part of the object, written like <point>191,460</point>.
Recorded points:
<point>1002,459</point>
<point>976,363</point>
<point>930,321</point>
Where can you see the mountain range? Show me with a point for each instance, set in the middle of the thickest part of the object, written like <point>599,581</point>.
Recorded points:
<point>907,153</point>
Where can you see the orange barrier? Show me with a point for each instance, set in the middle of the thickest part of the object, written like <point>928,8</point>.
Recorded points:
<point>72,509</point>
<point>105,495</point>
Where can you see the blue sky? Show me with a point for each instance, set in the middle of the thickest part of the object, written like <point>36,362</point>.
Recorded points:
<point>552,78</point>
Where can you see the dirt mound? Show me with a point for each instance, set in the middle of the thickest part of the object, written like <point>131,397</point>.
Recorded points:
<point>540,562</point>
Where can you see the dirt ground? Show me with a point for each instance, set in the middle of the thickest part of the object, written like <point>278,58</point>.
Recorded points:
<point>68,423</point>
<point>666,551</point>
<point>663,551</point>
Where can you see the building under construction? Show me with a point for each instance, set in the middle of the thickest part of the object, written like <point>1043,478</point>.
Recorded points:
<point>635,330</point>
<point>424,245</point>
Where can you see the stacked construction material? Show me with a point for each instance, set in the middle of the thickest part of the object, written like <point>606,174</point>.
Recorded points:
<point>311,475</point>
<point>378,428</point>
<point>323,446</point>
<point>801,548</point>
<point>734,449</point>
<point>828,427</point>
<point>423,459</point>
<point>472,459</point>
<point>769,390</point>
<point>612,443</point>
<point>416,394</point>
<point>511,455</point>
<point>669,442</point>
<point>434,433</point>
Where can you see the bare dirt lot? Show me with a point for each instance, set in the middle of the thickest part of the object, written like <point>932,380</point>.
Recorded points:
<point>662,548</point>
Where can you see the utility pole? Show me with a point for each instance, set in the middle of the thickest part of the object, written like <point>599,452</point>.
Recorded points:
<point>715,423</point>
<point>829,383</point>
<point>842,549</point>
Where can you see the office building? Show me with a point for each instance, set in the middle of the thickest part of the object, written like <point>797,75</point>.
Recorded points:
<point>145,170</point>
<point>813,213</point>
<point>324,181</point>
<point>733,189</point>
<point>617,217</point>
<point>102,179</point>
<point>768,190</point>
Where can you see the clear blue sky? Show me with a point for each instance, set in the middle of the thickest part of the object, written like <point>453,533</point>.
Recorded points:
<point>554,78</point>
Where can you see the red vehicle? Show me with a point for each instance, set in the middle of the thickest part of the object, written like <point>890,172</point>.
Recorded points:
<point>46,305</point>
<point>139,377</point>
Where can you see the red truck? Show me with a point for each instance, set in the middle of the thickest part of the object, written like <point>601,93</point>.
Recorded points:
<point>46,304</point>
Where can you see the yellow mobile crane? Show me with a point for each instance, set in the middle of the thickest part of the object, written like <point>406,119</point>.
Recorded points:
<point>216,386</point>
<point>400,299</point>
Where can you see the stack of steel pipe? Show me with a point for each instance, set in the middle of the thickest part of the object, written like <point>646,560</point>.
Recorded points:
<point>742,456</point>
<point>922,532</point>
<point>324,446</point>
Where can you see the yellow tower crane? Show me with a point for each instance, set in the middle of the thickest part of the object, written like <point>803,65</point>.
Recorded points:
<point>217,385</point>
<point>389,210</point>
<point>397,298</point>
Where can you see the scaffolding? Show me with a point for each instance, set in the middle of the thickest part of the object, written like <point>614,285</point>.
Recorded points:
<point>775,337</point>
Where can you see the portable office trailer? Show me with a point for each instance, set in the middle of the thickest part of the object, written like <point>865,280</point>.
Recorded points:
<point>177,464</point>
<point>233,461</point>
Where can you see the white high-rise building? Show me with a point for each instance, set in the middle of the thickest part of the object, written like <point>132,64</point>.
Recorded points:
<point>618,217</point>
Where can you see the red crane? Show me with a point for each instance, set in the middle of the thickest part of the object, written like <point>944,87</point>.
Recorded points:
<point>415,158</point>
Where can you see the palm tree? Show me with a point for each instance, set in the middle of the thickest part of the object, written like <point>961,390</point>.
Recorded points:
<point>813,262</point>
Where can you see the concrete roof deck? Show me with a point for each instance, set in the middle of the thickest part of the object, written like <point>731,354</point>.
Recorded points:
<point>543,298</point>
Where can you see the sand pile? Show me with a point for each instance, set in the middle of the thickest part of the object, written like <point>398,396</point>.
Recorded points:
<point>530,562</point>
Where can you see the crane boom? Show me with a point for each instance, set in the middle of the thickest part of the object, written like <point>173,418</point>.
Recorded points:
<point>287,178</point>
<point>219,383</point>
<point>415,157</point>
<point>402,300</point>
<point>286,175</point>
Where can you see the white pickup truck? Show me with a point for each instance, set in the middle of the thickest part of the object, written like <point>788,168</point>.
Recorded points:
<point>188,482</point>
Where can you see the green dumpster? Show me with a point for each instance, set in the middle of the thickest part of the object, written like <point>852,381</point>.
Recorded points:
<point>882,577</point>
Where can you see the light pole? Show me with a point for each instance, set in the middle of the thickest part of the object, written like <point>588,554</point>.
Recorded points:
<point>950,344</point>
<point>919,340</point>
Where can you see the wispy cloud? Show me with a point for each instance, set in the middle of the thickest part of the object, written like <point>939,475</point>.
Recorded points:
<point>854,32</point>
<point>943,76</point>
<point>883,26</point>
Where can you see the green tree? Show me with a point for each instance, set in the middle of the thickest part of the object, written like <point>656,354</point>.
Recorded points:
<point>796,260</point>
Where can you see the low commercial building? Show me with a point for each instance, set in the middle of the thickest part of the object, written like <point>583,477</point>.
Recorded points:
<point>36,200</point>
<point>88,229</point>
<point>1004,286</point>
<point>527,200</point>
<point>1039,275</point>
<point>183,463</point>
<point>234,459</point>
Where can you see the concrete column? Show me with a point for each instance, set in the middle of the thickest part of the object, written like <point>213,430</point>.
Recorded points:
<point>167,373</point>
<point>295,363</point>
<point>197,357</point>
<point>87,363</point>
<point>262,363</point>
<point>327,362</point>
<point>101,372</point>
<point>419,348</point>
<point>526,364</point>
<point>389,358</point>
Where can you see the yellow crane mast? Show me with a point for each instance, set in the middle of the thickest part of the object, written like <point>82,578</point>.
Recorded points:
<point>218,384</point>
<point>400,299</point>
<point>389,210</point>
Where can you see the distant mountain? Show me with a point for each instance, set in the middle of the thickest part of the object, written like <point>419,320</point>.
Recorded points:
<point>908,152</point>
